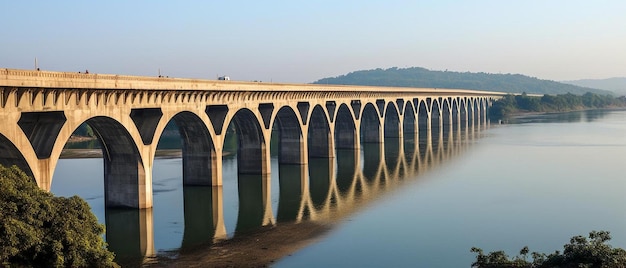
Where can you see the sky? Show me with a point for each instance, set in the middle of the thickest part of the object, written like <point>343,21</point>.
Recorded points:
<point>303,41</point>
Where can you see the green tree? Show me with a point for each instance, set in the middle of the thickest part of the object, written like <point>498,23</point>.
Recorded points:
<point>38,229</point>
<point>580,252</point>
<point>84,130</point>
<point>512,104</point>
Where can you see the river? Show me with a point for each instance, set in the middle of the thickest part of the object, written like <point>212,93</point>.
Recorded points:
<point>536,182</point>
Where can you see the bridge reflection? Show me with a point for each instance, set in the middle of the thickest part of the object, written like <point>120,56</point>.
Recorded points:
<point>324,190</point>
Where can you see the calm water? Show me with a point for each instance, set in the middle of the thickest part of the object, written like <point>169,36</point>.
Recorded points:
<point>535,182</point>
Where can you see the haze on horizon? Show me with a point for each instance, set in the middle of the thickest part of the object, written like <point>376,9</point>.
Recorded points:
<point>297,41</point>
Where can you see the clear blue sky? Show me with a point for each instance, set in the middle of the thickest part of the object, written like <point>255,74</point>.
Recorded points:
<point>302,41</point>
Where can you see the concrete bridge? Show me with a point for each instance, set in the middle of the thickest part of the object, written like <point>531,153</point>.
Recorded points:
<point>40,110</point>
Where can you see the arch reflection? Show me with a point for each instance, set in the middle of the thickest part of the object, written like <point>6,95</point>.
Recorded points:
<point>324,190</point>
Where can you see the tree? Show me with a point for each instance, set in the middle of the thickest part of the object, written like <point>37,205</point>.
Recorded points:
<point>41,230</point>
<point>511,104</point>
<point>580,252</point>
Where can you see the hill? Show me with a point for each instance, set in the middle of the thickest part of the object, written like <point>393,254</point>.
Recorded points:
<point>421,77</point>
<point>615,84</point>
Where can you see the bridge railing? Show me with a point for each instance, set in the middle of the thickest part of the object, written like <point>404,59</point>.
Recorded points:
<point>67,80</point>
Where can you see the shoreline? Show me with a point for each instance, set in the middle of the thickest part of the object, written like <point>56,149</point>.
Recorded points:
<point>97,153</point>
<point>518,115</point>
<point>259,248</point>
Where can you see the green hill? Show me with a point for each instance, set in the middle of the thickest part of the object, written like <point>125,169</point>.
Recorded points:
<point>421,77</point>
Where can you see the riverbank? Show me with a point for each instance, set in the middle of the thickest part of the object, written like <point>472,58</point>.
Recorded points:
<point>510,105</point>
<point>260,248</point>
<point>512,117</point>
<point>97,153</point>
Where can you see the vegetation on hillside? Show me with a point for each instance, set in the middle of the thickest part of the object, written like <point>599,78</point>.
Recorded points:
<point>38,229</point>
<point>515,104</point>
<point>420,77</point>
<point>580,252</point>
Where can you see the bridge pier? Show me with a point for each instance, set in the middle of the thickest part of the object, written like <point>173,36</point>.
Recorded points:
<point>45,169</point>
<point>216,167</point>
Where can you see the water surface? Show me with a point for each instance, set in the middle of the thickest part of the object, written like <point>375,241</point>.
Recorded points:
<point>536,182</point>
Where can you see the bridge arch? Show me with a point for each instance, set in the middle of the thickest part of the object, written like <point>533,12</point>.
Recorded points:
<point>127,184</point>
<point>409,123</point>
<point>345,129</point>
<point>463,111</point>
<point>124,171</point>
<point>392,121</point>
<point>446,112</point>
<point>423,115</point>
<point>251,145</point>
<point>11,155</point>
<point>455,112</point>
<point>319,139</point>
<point>198,149</point>
<point>370,124</point>
<point>476,110</point>
<point>469,107</point>
<point>436,113</point>
<point>291,142</point>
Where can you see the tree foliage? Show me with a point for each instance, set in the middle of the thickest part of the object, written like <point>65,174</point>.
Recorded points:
<point>580,252</point>
<point>84,130</point>
<point>38,229</point>
<point>511,104</point>
<point>421,77</point>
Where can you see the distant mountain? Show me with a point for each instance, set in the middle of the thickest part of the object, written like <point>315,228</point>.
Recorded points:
<point>421,77</point>
<point>615,84</point>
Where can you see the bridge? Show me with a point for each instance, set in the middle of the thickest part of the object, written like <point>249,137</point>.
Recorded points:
<point>40,110</point>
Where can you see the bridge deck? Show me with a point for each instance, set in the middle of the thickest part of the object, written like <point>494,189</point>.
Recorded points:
<point>66,80</point>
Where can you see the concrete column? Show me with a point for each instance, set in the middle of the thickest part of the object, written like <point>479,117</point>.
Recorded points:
<point>46,170</point>
<point>216,167</point>
<point>145,188</point>
<point>357,136</point>
<point>304,150</point>
<point>266,154</point>
<point>401,127</point>
<point>332,144</point>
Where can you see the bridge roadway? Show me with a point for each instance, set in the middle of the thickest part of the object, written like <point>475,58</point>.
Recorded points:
<point>40,110</point>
